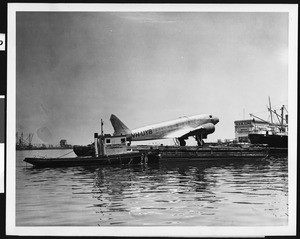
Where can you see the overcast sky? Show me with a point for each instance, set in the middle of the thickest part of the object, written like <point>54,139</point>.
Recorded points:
<point>75,68</point>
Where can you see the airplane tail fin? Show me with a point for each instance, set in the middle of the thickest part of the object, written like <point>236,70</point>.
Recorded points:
<point>119,127</point>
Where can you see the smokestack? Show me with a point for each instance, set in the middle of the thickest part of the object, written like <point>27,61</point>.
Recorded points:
<point>96,144</point>
<point>286,118</point>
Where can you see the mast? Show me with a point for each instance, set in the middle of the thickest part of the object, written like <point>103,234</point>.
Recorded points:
<point>21,139</point>
<point>279,120</point>
<point>270,109</point>
<point>101,128</point>
<point>274,111</point>
<point>282,118</point>
<point>101,139</point>
<point>260,119</point>
<point>30,139</point>
<point>96,144</point>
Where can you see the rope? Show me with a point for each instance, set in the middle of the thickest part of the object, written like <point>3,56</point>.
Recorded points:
<point>65,154</point>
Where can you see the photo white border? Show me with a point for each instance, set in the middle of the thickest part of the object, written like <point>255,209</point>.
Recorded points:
<point>193,231</point>
<point>1,168</point>
<point>2,156</point>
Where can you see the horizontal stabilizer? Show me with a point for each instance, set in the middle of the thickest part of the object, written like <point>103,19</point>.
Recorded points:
<point>119,127</point>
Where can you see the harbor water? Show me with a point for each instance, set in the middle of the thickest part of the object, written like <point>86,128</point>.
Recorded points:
<point>232,193</point>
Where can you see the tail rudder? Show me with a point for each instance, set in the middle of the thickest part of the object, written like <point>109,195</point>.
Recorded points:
<point>119,127</point>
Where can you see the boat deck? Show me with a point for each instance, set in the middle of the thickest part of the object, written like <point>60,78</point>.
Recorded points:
<point>210,152</point>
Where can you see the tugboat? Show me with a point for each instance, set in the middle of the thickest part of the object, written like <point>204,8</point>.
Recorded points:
<point>276,135</point>
<point>107,150</point>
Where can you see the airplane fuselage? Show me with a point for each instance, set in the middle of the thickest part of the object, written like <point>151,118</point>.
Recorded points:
<point>165,129</point>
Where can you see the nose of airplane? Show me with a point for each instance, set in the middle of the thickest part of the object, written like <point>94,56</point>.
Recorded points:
<point>215,120</point>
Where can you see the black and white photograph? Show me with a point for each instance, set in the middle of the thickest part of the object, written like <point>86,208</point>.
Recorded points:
<point>151,119</point>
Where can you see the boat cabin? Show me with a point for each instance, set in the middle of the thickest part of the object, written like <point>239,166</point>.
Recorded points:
<point>114,145</point>
<point>109,145</point>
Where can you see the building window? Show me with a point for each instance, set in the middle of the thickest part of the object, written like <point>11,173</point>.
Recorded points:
<point>123,140</point>
<point>108,141</point>
<point>243,139</point>
<point>244,130</point>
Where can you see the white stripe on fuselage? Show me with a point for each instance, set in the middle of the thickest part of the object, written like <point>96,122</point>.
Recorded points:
<point>161,130</point>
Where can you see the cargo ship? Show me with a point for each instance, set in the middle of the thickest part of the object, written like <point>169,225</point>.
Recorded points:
<point>276,134</point>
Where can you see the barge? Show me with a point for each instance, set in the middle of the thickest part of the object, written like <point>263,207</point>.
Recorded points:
<point>220,153</point>
<point>217,153</point>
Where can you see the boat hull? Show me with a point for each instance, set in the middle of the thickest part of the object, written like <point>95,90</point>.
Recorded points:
<point>129,158</point>
<point>279,141</point>
<point>81,151</point>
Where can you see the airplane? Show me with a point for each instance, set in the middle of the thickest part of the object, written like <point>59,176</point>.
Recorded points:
<point>198,126</point>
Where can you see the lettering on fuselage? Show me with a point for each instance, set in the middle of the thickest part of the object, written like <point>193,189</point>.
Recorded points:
<point>142,133</point>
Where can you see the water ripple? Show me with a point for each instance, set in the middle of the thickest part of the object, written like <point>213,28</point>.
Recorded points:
<point>246,193</point>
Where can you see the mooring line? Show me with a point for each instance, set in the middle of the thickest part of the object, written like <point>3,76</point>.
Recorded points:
<point>65,154</point>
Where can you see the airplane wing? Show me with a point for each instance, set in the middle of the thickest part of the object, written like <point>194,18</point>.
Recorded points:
<point>207,128</point>
<point>179,133</point>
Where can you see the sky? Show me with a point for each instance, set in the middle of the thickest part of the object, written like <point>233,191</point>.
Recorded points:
<point>74,68</point>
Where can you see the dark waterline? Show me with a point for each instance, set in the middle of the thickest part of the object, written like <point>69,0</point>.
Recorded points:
<point>244,193</point>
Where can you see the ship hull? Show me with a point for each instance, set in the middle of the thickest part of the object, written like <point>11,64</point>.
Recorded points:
<point>128,158</point>
<point>280,141</point>
<point>81,151</point>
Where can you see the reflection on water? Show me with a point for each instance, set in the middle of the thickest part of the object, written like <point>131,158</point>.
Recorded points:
<point>245,193</point>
